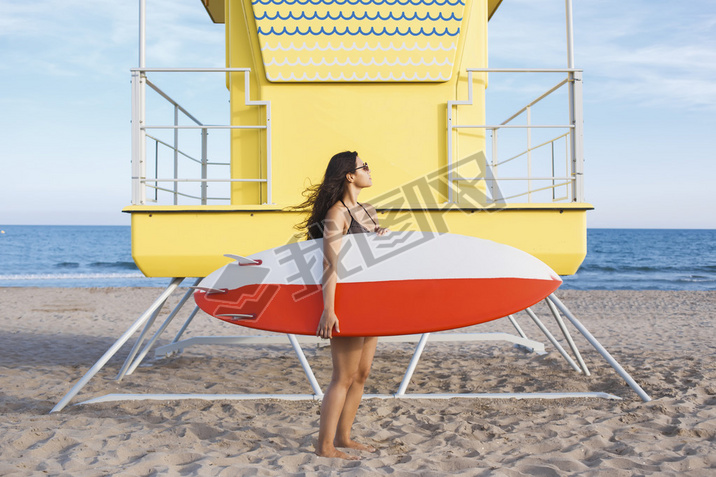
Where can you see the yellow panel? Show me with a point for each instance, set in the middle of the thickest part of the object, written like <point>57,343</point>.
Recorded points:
<point>558,237</point>
<point>358,41</point>
<point>191,241</point>
<point>192,244</point>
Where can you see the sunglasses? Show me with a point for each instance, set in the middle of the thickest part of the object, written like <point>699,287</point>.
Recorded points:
<point>364,167</point>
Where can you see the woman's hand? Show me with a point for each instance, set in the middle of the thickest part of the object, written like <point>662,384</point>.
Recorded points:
<point>329,320</point>
<point>380,230</point>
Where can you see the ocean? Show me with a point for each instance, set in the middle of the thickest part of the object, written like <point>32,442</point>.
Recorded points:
<point>647,259</point>
<point>69,256</point>
<point>100,256</point>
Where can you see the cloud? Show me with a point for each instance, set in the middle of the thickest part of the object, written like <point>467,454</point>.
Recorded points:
<point>643,52</point>
<point>654,56</point>
<point>59,37</point>
<point>76,38</point>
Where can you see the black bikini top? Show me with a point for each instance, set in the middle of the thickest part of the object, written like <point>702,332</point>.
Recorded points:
<point>356,227</point>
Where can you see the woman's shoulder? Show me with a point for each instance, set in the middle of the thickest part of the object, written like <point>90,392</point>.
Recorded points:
<point>337,210</point>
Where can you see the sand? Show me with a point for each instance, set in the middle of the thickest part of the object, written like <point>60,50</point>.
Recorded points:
<point>50,337</point>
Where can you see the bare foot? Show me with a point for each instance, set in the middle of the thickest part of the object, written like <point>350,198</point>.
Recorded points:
<point>333,452</point>
<point>351,444</point>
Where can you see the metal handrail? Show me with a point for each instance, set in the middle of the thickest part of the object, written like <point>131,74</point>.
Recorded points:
<point>513,126</point>
<point>183,194</point>
<point>179,151</point>
<point>190,70</point>
<point>544,95</point>
<point>139,136</point>
<point>573,134</point>
<point>530,178</point>
<point>198,161</point>
<point>535,190</point>
<point>172,102</point>
<point>551,141</point>
<point>202,180</point>
<point>163,189</point>
<point>203,127</point>
<point>524,70</point>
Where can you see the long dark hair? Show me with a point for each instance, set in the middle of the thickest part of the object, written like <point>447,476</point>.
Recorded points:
<point>321,197</point>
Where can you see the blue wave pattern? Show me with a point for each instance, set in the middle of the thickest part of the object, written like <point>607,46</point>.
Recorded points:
<point>353,16</point>
<point>430,27</point>
<point>360,31</point>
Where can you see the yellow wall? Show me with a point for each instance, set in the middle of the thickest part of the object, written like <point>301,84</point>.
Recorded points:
<point>190,241</point>
<point>398,127</point>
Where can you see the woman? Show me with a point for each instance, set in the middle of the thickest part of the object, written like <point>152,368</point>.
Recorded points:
<point>336,212</point>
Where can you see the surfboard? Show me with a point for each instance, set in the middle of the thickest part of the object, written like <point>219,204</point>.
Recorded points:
<point>395,284</point>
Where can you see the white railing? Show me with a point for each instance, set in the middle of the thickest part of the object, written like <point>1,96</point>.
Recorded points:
<point>572,132</point>
<point>141,137</point>
<point>571,181</point>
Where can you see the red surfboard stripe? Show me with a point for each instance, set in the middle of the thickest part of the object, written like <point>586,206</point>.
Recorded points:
<point>378,308</point>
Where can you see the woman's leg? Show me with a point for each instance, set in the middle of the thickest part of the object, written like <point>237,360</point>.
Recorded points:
<point>346,355</point>
<point>353,398</point>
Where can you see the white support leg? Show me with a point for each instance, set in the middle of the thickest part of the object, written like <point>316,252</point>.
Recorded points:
<point>186,324</point>
<point>413,363</point>
<point>115,347</point>
<point>568,337</point>
<point>553,340</point>
<point>597,345</point>
<point>138,342</point>
<point>517,326</point>
<point>532,349</point>
<point>306,367</point>
<point>161,329</point>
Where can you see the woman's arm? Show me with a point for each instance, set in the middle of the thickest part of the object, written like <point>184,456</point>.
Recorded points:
<point>332,235</point>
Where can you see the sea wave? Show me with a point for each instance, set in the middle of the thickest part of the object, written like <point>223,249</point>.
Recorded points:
<point>623,268</point>
<point>697,279</point>
<point>120,265</point>
<point>646,282</point>
<point>67,265</point>
<point>70,276</point>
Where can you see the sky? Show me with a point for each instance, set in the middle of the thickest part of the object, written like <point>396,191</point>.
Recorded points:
<point>649,100</point>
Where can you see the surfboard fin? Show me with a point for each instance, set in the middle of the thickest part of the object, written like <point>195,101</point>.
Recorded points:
<point>243,260</point>
<point>211,291</point>
<point>236,316</point>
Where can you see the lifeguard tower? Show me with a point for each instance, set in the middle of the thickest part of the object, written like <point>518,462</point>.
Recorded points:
<point>401,81</point>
